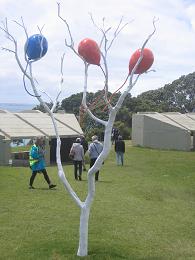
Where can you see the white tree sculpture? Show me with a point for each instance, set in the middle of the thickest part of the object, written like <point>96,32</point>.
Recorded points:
<point>103,47</point>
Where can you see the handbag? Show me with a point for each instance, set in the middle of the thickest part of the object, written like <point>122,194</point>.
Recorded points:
<point>71,155</point>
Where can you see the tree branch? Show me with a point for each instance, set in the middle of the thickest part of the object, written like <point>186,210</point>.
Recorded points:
<point>6,49</point>
<point>131,83</point>
<point>117,31</point>
<point>103,31</point>
<point>40,29</point>
<point>84,100</point>
<point>23,26</point>
<point>71,45</point>
<point>61,83</point>
<point>141,53</point>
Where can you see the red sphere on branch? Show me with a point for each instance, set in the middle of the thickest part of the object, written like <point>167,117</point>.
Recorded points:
<point>90,51</point>
<point>146,62</point>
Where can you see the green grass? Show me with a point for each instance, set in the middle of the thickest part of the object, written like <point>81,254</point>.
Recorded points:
<point>21,148</point>
<point>144,210</point>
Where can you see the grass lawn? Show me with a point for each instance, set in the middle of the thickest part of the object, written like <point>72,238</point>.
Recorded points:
<point>21,148</point>
<point>143,210</point>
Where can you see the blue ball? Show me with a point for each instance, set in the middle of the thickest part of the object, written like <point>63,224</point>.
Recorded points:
<point>36,47</point>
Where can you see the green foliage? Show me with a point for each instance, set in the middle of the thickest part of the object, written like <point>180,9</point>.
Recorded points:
<point>178,96</point>
<point>146,209</point>
<point>42,109</point>
<point>72,103</point>
<point>125,131</point>
<point>21,148</point>
<point>99,131</point>
<point>97,105</point>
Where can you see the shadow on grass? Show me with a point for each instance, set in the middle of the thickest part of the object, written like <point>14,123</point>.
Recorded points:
<point>84,180</point>
<point>101,181</point>
<point>67,250</point>
<point>54,189</point>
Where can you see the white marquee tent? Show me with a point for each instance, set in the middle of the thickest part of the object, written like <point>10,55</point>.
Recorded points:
<point>170,130</point>
<point>33,123</point>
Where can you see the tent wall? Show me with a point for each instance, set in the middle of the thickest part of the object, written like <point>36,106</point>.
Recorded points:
<point>5,151</point>
<point>137,130</point>
<point>150,132</point>
<point>47,154</point>
<point>66,144</point>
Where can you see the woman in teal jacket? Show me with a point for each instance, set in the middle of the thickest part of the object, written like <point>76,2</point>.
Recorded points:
<point>37,162</point>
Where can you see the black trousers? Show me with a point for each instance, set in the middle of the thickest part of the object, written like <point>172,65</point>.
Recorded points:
<point>92,161</point>
<point>34,174</point>
<point>77,165</point>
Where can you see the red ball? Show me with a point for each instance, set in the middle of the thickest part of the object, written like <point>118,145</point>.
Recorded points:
<point>146,62</point>
<point>90,51</point>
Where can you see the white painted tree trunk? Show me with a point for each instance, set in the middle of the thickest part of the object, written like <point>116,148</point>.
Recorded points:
<point>85,210</point>
<point>83,236</point>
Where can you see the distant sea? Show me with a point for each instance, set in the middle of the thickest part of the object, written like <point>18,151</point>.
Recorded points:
<point>12,107</point>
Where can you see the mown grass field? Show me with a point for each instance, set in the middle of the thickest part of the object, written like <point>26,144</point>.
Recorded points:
<point>144,210</point>
<point>21,148</point>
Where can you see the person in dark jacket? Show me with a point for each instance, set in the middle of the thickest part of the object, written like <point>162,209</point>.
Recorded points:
<point>115,134</point>
<point>120,150</point>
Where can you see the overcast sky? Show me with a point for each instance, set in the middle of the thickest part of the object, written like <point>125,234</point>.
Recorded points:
<point>173,44</point>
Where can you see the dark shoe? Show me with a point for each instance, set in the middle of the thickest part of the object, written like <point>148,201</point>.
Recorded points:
<point>31,187</point>
<point>84,169</point>
<point>80,178</point>
<point>52,186</point>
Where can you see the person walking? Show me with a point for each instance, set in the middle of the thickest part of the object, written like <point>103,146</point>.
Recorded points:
<point>37,162</point>
<point>77,153</point>
<point>95,148</point>
<point>114,135</point>
<point>84,143</point>
<point>120,150</point>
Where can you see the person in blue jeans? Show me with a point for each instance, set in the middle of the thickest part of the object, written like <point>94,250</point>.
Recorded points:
<point>37,162</point>
<point>77,152</point>
<point>95,148</point>
<point>120,150</point>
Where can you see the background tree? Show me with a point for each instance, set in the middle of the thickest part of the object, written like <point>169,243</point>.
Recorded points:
<point>41,108</point>
<point>89,126</point>
<point>179,96</point>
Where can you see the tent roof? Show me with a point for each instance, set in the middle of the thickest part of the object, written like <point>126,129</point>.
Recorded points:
<point>186,121</point>
<point>28,124</point>
<point>69,121</point>
<point>12,127</point>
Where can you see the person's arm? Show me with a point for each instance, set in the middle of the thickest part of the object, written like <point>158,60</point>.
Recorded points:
<point>124,146</point>
<point>72,150</point>
<point>115,146</point>
<point>34,153</point>
<point>101,147</point>
<point>82,152</point>
<point>89,150</point>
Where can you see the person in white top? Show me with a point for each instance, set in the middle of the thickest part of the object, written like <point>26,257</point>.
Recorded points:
<point>77,152</point>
